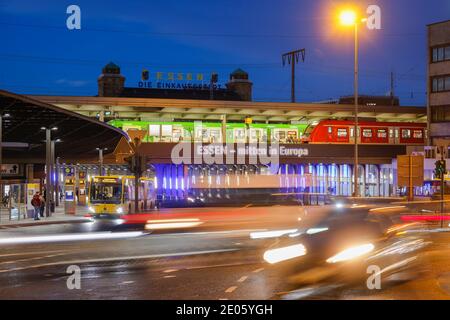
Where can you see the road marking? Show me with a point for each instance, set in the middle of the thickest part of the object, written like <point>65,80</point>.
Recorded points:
<point>223,299</point>
<point>126,282</point>
<point>151,256</point>
<point>170,270</point>
<point>231,289</point>
<point>242,279</point>
<point>258,270</point>
<point>32,259</point>
<point>172,276</point>
<point>31,253</point>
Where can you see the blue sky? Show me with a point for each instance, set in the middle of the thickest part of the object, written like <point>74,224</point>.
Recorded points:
<point>39,55</point>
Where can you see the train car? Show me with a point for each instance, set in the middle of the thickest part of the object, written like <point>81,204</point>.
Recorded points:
<point>211,132</point>
<point>370,132</point>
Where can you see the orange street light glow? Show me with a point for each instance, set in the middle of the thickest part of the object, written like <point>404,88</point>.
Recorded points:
<point>347,17</point>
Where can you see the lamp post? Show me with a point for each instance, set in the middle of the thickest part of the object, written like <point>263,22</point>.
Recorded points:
<point>100,159</point>
<point>48,164</point>
<point>349,18</point>
<point>2,115</point>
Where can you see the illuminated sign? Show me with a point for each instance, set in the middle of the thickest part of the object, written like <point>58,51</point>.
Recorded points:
<point>172,80</point>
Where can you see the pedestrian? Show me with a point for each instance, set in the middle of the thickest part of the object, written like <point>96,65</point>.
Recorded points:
<point>36,203</point>
<point>42,206</point>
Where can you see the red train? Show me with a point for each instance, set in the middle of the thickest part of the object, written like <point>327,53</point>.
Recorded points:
<point>338,131</point>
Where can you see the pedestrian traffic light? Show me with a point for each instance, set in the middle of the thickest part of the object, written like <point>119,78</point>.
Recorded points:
<point>440,169</point>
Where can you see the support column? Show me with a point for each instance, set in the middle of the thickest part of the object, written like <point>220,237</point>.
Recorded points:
<point>48,152</point>
<point>338,179</point>
<point>224,128</point>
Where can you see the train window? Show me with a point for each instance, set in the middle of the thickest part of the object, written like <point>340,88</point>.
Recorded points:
<point>342,132</point>
<point>154,130</point>
<point>406,133</point>
<point>352,132</point>
<point>396,133</point>
<point>391,133</point>
<point>381,133</point>
<point>166,130</point>
<point>417,134</point>
<point>367,133</point>
<point>330,130</point>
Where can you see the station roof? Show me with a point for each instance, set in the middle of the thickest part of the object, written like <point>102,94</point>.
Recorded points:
<point>23,139</point>
<point>162,109</point>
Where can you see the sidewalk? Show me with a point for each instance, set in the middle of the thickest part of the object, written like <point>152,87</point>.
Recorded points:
<point>57,217</point>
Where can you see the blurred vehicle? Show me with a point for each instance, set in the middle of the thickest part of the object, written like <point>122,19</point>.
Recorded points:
<point>345,247</point>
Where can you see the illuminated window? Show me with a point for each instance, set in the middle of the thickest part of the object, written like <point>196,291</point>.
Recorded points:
<point>330,130</point>
<point>342,132</point>
<point>406,133</point>
<point>417,134</point>
<point>367,133</point>
<point>382,133</point>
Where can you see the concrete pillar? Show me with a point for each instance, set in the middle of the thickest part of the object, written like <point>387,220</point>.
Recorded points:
<point>338,179</point>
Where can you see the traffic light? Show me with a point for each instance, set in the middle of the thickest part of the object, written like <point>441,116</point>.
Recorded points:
<point>137,164</point>
<point>440,169</point>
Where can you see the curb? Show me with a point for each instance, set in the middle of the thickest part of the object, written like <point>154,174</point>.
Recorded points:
<point>43,223</point>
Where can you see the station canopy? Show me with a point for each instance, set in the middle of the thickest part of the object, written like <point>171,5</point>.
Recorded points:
<point>23,137</point>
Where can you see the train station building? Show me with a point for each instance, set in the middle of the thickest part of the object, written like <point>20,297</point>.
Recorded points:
<point>167,113</point>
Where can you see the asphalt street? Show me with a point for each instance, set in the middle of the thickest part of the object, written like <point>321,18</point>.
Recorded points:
<point>213,260</point>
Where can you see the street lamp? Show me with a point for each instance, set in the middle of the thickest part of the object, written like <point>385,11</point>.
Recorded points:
<point>350,18</point>
<point>2,115</point>
<point>100,159</point>
<point>48,155</point>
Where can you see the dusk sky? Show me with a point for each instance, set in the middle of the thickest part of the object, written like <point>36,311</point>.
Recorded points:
<point>39,55</point>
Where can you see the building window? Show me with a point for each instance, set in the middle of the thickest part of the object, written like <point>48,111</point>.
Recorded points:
<point>382,133</point>
<point>417,134</point>
<point>367,133</point>
<point>440,84</point>
<point>406,133</point>
<point>342,132</point>
<point>440,113</point>
<point>440,54</point>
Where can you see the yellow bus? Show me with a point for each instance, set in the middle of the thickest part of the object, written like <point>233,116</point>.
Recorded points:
<point>115,194</point>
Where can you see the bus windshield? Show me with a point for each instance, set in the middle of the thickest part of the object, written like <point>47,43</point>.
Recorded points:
<point>102,192</point>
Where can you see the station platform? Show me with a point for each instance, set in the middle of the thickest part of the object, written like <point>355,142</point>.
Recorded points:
<point>57,217</point>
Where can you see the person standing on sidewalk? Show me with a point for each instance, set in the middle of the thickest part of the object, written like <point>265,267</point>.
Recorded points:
<point>36,203</point>
<point>42,205</point>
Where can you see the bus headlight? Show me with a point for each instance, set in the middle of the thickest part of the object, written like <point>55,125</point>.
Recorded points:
<point>91,209</point>
<point>119,210</point>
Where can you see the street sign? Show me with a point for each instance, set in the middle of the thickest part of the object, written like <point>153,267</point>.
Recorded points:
<point>410,170</point>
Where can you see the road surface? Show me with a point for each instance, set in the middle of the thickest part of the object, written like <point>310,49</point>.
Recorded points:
<point>214,260</point>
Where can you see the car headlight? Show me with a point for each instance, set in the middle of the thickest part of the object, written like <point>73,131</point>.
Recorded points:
<point>281,254</point>
<point>119,210</point>
<point>316,230</point>
<point>351,253</point>
<point>91,209</point>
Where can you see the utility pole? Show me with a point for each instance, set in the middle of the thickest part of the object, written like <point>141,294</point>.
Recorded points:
<point>293,58</point>
<point>391,92</point>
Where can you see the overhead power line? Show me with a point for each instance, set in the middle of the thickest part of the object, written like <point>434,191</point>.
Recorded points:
<point>193,34</point>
